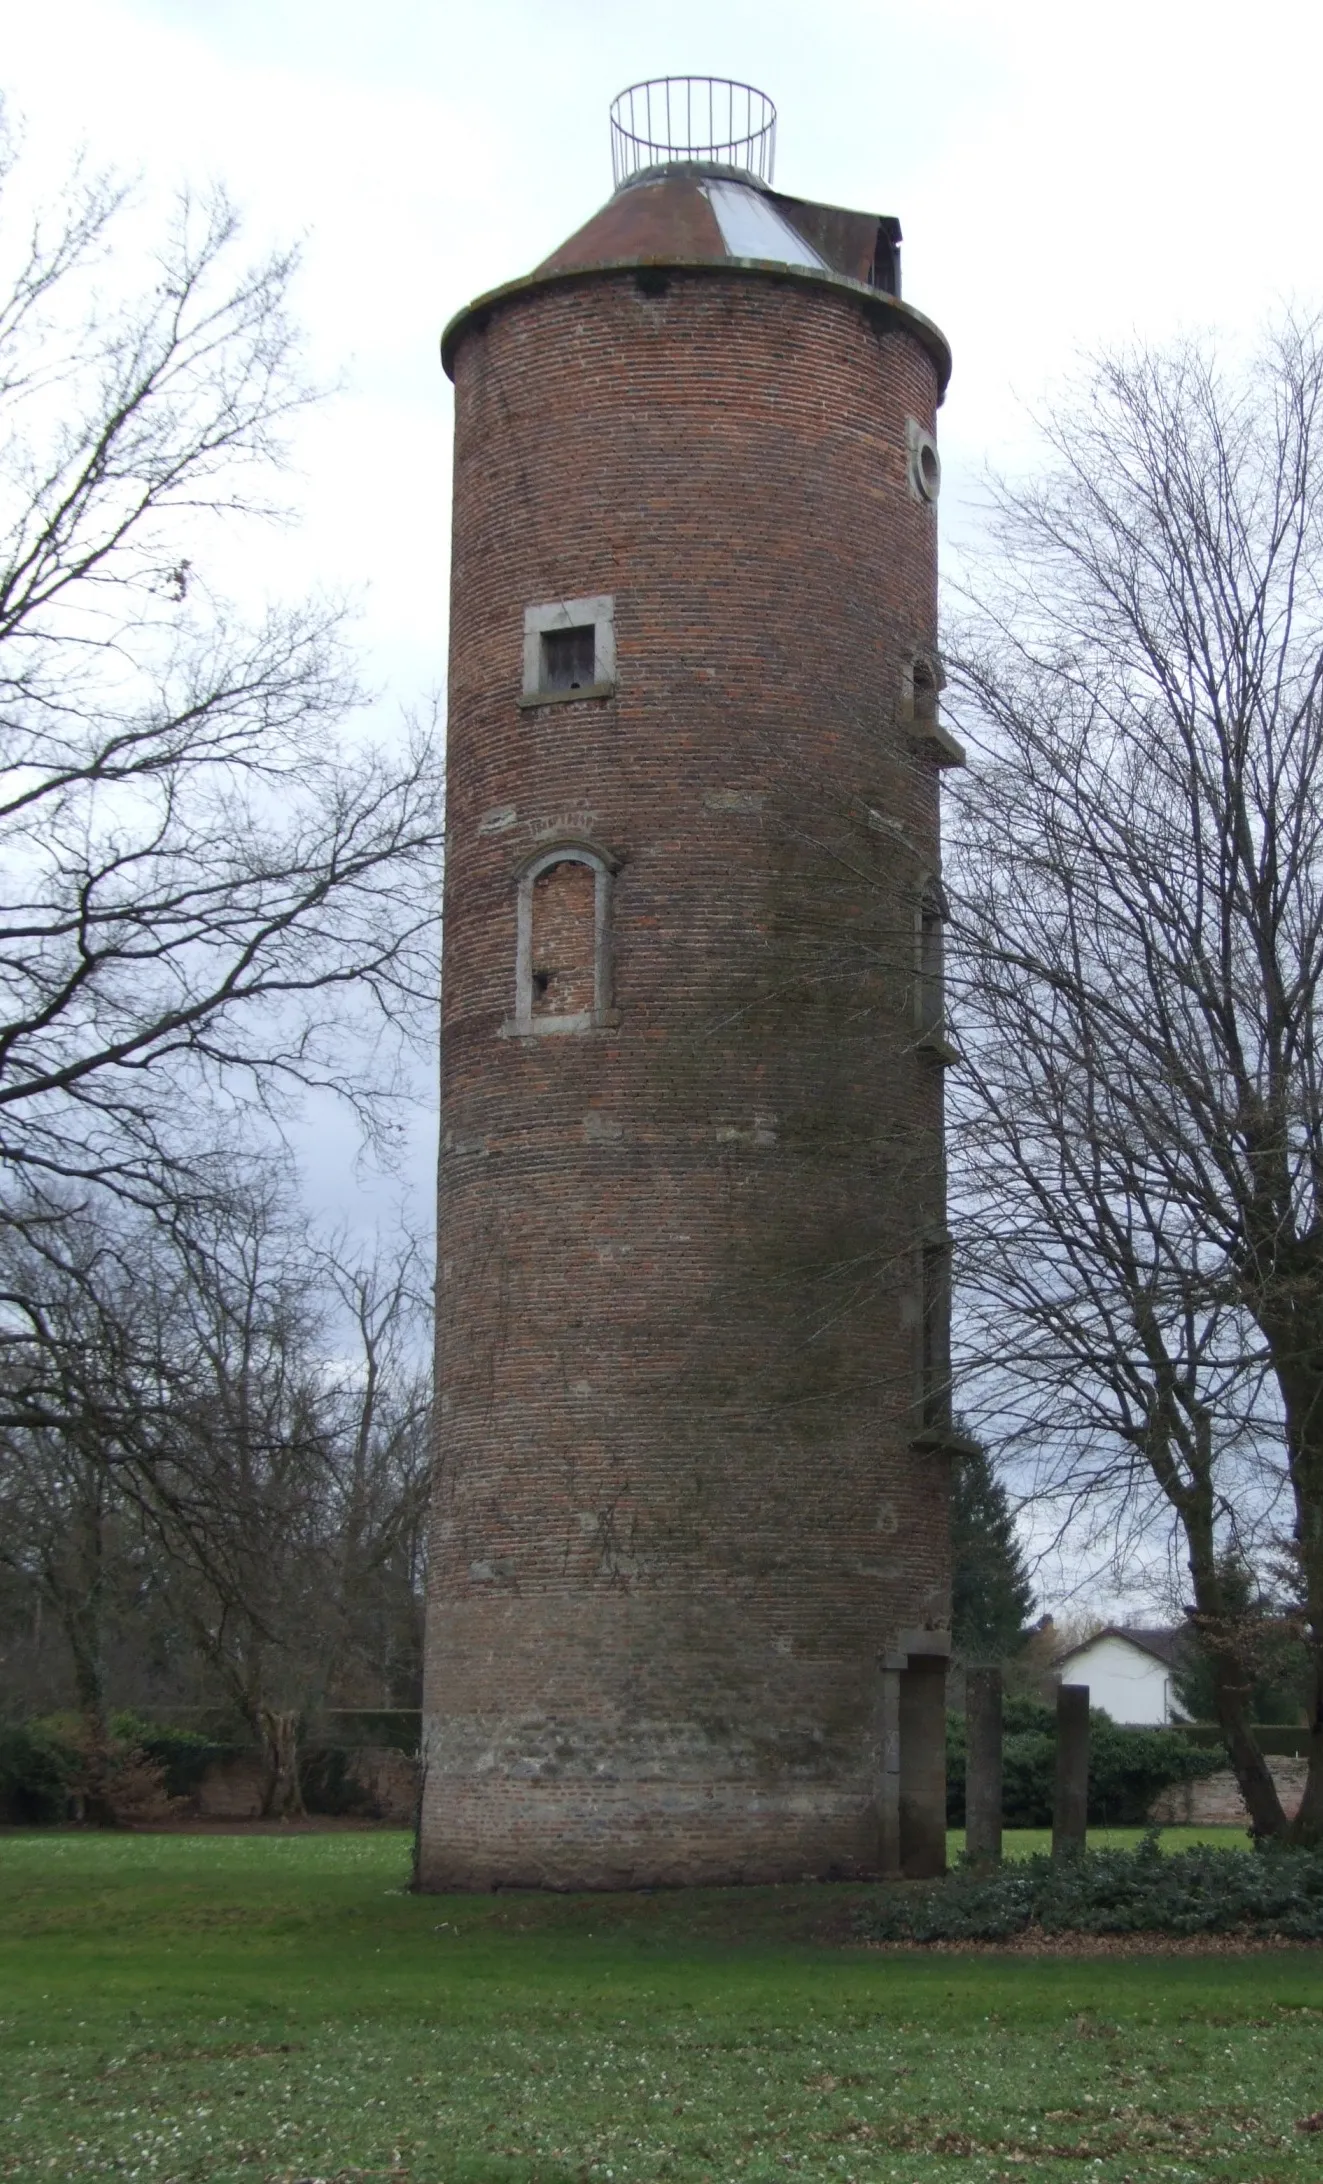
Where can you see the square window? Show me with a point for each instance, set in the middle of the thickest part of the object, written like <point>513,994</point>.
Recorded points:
<point>569,658</point>
<point>569,650</point>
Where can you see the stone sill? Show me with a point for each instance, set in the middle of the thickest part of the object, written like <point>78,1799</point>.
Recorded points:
<point>921,1645</point>
<point>531,698</point>
<point>949,752</point>
<point>939,1046</point>
<point>944,1441</point>
<point>541,1027</point>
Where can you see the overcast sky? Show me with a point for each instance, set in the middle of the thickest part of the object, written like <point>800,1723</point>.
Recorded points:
<point>1065,176</point>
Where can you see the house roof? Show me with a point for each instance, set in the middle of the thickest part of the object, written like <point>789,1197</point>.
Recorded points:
<point>1165,1645</point>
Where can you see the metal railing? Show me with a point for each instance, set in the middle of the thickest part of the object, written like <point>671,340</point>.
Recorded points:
<point>706,118</point>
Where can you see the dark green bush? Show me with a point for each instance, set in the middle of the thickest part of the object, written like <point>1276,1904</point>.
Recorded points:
<point>46,1776</point>
<point>327,1783</point>
<point>1127,1767</point>
<point>1276,1740</point>
<point>183,1754</point>
<point>1271,1890</point>
<point>37,1774</point>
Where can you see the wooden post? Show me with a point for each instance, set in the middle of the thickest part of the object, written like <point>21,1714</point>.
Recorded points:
<point>1070,1810</point>
<point>983,1765</point>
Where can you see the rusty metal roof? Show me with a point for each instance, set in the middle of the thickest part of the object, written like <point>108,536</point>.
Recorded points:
<point>695,213</point>
<point>697,216</point>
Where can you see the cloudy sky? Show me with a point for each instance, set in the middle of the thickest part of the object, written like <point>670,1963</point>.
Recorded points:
<point>1066,176</point>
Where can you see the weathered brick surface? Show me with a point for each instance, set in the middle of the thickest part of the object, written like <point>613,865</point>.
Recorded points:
<point>678,1510</point>
<point>563,940</point>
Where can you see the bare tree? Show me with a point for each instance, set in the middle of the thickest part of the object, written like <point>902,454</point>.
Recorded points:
<point>235,1487</point>
<point>232,1419</point>
<point>378,1453</point>
<point>1137,890</point>
<point>76,1418</point>
<point>204,880</point>
<point>288,1491</point>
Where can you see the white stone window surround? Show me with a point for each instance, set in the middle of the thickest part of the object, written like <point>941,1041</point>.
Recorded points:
<point>597,613</point>
<point>930,916</point>
<point>930,1021</point>
<point>933,1348</point>
<point>922,679</point>
<point>923,464</point>
<point>568,850</point>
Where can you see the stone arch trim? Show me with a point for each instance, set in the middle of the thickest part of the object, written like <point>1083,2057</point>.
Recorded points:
<point>551,851</point>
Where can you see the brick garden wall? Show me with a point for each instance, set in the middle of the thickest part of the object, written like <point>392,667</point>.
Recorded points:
<point>679,1512</point>
<point>1215,1800</point>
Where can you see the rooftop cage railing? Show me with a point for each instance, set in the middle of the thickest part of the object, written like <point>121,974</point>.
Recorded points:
<point>703,118</point>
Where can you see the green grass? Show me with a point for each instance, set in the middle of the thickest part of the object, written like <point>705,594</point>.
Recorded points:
<point>1028,1842</point>
<point>278,2008</point>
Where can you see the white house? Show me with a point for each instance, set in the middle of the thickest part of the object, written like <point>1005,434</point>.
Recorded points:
<point>1129,1673</point>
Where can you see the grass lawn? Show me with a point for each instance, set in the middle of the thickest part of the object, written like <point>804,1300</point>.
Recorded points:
<point>263,2008</point>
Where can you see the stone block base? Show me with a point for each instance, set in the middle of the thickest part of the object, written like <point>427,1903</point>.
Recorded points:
<point>483,1834</point>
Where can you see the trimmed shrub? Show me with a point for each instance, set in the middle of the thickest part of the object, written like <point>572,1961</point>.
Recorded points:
<point>38,1771</point>
<point>183,1755</point>
<point>327,1782</point>
<point>1127,1767</point>
<point>50,1772</point>
<point>1272,1890</point>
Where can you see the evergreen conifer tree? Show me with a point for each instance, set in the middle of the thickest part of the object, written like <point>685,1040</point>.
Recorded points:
<point>991,1596</point>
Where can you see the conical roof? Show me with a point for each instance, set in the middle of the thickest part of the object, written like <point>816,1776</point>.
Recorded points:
<point>692,214</point>
<point>699,217</point>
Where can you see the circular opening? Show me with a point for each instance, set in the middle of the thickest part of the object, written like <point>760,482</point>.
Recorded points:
<point>929,469</point>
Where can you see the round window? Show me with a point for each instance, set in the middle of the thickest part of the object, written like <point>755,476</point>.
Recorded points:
<point>925,464</point>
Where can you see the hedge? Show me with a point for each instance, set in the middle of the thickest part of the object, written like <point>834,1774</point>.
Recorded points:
<point>1127,1767</point>
<point>1270,1890</point>
<point>43,1767</point>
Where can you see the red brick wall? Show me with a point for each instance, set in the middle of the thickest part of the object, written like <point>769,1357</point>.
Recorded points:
<point>678,1512</point>
<point>564,930</point>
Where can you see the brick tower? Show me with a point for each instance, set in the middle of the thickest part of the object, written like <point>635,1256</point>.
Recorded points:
<point>690,1576</point>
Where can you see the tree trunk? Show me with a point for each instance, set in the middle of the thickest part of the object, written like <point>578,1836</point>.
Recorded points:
<point>1251,1769</point>
<point>283,1799</point>
<point>92,1800</point>
<point>1231,1681</point>
<point>1293,1324</point>
<point>1307,1478</point>
<point>81,1614</point>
